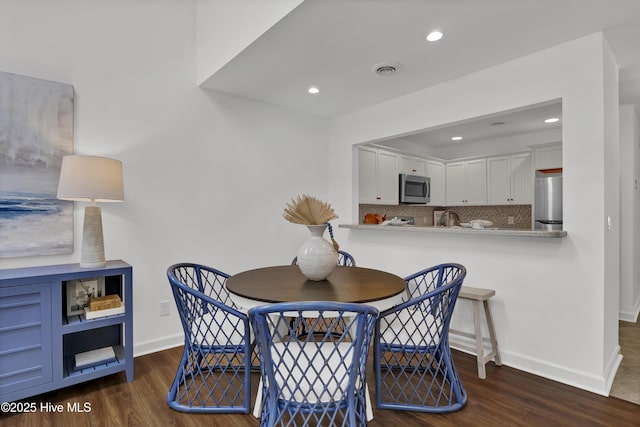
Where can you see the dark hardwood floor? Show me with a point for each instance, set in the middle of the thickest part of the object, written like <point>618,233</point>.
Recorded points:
<point>507,397</point>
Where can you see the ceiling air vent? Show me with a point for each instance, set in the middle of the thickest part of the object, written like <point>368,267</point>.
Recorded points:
<point>386,69</point>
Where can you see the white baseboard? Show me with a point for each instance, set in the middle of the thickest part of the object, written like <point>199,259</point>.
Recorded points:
<point>562,374</point>
<point>612,368</point>
<point>152,346</point>
<point>467,345</point>
<point>572,377</point>
<point>631,316</point>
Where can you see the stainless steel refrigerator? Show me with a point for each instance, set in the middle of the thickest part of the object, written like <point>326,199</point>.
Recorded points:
<point>548,203</point>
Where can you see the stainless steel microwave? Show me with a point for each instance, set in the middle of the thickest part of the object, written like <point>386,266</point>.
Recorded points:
<point>415,189</point>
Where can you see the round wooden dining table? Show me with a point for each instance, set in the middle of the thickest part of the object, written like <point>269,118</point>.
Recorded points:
<point>286,283</point>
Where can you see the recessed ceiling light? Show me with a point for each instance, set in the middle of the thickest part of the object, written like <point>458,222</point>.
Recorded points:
<point>552,120</point>
<point>434,36</point>
<point>313,89</point>
<point>456,138</point>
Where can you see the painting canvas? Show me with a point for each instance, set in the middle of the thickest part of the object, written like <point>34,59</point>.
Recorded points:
<point>36,131</point>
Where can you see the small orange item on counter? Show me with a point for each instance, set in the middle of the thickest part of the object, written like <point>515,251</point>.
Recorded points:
<point>372,218</point>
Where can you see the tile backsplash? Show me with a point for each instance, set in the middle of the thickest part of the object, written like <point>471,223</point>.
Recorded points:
<point>423,215</point>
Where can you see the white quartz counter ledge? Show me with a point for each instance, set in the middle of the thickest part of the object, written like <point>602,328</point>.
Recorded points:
<point>514,232</point>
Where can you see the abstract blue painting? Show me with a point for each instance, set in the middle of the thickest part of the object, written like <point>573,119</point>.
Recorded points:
<point>36,131</point>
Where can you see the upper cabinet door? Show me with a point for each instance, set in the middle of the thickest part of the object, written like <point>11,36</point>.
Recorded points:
<point>367,175</point>
<point>498,181</point>
<point>521,178</point>
<point>412,165</point>
<point>456,183</point>
<point>549,157</point>
<point>436,171</point>
<point>419,167</point>
<point>405,164</point>
<point>388,186</point>
<point>377,177</point>
<point>476,182</point>
<point>467,183</point>
<point>510,180</point>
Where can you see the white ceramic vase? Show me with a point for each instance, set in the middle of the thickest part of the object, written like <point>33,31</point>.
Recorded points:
<point>317,258</point>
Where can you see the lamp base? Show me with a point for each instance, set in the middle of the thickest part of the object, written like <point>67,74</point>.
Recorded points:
<point>92,240</point>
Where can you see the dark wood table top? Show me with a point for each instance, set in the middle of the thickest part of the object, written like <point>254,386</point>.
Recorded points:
<point>287,284</point>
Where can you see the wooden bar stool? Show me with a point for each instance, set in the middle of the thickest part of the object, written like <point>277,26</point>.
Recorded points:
<point>480,299</point>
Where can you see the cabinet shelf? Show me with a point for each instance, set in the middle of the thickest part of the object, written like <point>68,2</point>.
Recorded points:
<point>77,323</point>
<point>97,370</point>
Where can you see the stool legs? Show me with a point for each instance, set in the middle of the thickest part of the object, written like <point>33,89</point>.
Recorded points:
<point>492,333</point>
<point>479,298</point>
<point>481,358</point>
<point>479,341</point>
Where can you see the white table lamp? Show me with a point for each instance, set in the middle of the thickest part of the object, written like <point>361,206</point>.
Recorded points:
<point>91,179</point>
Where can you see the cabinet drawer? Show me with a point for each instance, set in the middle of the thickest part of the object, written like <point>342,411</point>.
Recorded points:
<point>25,337</point>
<point>21,309</point>
<point>13,338</point>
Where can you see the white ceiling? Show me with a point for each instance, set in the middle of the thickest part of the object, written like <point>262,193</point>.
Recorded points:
<point>333,44</point>
<point>510,123</point>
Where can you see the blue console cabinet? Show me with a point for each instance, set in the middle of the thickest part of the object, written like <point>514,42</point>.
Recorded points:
<point>39,340</point>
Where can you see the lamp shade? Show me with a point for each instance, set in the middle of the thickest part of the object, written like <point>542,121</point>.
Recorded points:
<point>87,178</point>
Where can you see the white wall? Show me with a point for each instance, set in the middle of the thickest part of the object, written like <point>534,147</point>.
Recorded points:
<point>206,176</point>
<point>611,212</point>
<point>629,214</point>
<point>551,314</point>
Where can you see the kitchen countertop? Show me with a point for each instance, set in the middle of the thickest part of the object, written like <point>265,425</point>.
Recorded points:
<point>514,232</point>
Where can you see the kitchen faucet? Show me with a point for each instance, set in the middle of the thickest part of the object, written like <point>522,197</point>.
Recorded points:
<point>452,219</point>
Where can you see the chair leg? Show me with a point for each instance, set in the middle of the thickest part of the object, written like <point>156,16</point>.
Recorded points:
<point>255,358</point>
<point>195,387</point>
<point>456,384</point>
<point>178,377</point>
<point>458,391</point>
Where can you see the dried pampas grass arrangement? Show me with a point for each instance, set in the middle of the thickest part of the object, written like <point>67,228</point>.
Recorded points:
<point>308,210</point>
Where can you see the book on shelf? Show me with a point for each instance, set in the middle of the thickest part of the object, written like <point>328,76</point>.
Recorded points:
<point>105,302</point>
<point>95,314</point>
<point>93,358</point>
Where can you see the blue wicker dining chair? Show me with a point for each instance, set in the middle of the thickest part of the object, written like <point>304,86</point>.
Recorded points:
<point>214,374</point>
<point>312,379</point>
<point>344,258</point>
<point>412,359</point>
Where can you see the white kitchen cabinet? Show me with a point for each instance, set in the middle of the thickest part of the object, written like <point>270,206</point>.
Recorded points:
<point>510,180</point>
<point>456,190</point>
<point>436,171</point>
<point>466,182</point>
<point>477,182</point>
<point>521,179</point>
<point>412,165</point>
<point>367,174</point>
<point>377,176</point>
<point>388,186</point>
<point>548,157</point>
